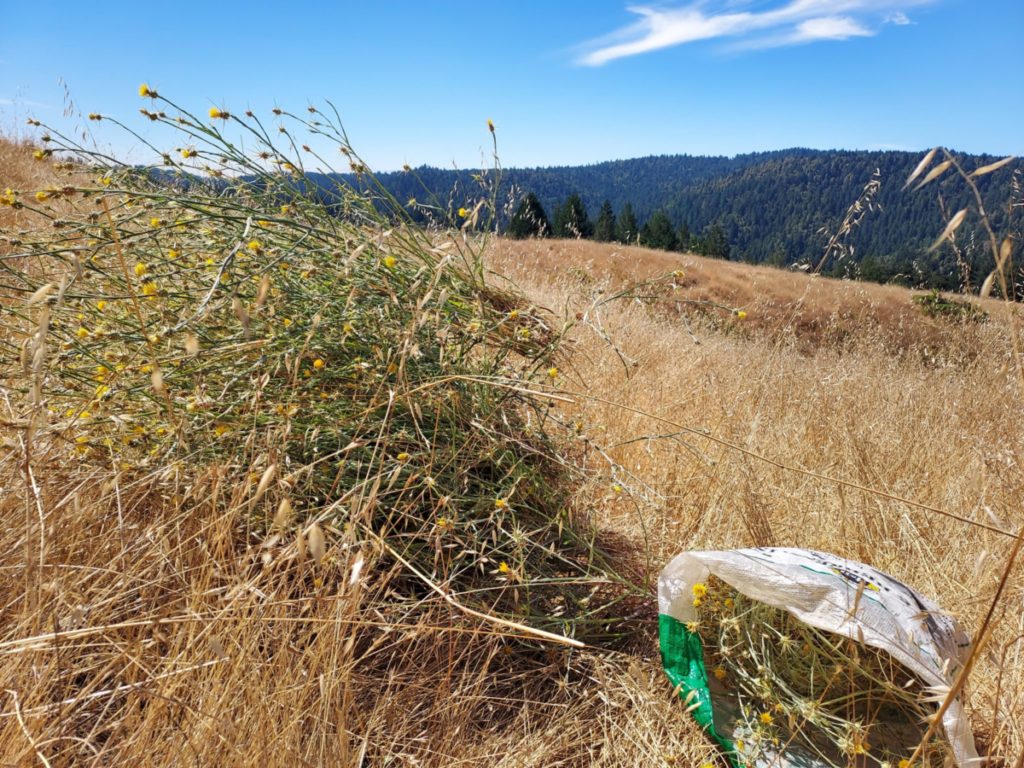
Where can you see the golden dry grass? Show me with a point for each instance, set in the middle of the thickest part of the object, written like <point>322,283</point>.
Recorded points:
<point>20,172</point>
<point>934,426</point>
<point>780,303</point>
<point>140,631</point>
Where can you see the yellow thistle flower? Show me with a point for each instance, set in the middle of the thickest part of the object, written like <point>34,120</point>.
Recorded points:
<point>719,673</point>
<point>766,718</point>
<point>39,154</point>
<point>149,288</point>
<point>42,196</point>
<point>741,314</point>
<point>173,253</point>
<point>389,262</point>
<point>490,125</point>
<point>616,488</point>
<point>95,116</point>
<point>140,269</point>
<point>187,153</point>
<point>318,363</point>
<point>221,429</point>
<point>403,456</point>
<point>504,567</point>
<point>105,181</point>
<point>218,114</point>
<point>286,321</point>
<point>552,372</point>
<point>463,213</point>
<point>699,589</point>
<point>501,503</point>
<point>155,222</point>
<point>101,305</point>
<point>286,209</point>
<point>145,90</point>
<point>254,246</point>
<point>82,332</point>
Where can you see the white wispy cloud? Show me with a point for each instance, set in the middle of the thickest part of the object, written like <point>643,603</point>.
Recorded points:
<point>809,31</point>
<point>789,23</point>
<point>897,17</point>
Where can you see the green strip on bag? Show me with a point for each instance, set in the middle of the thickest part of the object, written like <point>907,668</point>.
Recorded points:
<point>682,656</point>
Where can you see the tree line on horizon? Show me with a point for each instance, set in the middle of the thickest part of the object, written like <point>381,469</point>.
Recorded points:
<point>571,220</point>
<point>774,208</point>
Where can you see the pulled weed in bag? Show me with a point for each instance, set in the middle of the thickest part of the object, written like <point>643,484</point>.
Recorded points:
<point>780,685</point>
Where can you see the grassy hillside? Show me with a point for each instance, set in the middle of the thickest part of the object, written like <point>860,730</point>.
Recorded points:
<point>207,593</point>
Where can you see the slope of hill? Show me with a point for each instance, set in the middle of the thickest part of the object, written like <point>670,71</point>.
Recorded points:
<point>812,312</point>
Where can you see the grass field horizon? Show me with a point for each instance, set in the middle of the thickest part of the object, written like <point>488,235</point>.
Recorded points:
<point>216,604</point>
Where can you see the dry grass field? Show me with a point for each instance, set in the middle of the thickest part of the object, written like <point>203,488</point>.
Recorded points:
<point>145,623</point>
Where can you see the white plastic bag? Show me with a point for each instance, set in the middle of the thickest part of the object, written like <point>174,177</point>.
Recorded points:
<point>822,591</point>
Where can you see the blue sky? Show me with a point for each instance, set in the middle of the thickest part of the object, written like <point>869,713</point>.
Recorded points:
<point>566,83</point>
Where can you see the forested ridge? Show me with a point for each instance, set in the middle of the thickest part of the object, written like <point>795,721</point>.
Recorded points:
<point>768,206</point>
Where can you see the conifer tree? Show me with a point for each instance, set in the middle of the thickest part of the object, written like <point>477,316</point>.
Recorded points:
<point>684,238</point>
<point>715,242</point>
<point>571,219</point>
<point>604,229</point>
<point>658,232</point>
<point>626,228</point>
<point>529,220</point>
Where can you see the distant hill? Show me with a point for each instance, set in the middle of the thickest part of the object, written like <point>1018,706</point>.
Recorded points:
<point>771,205</point>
